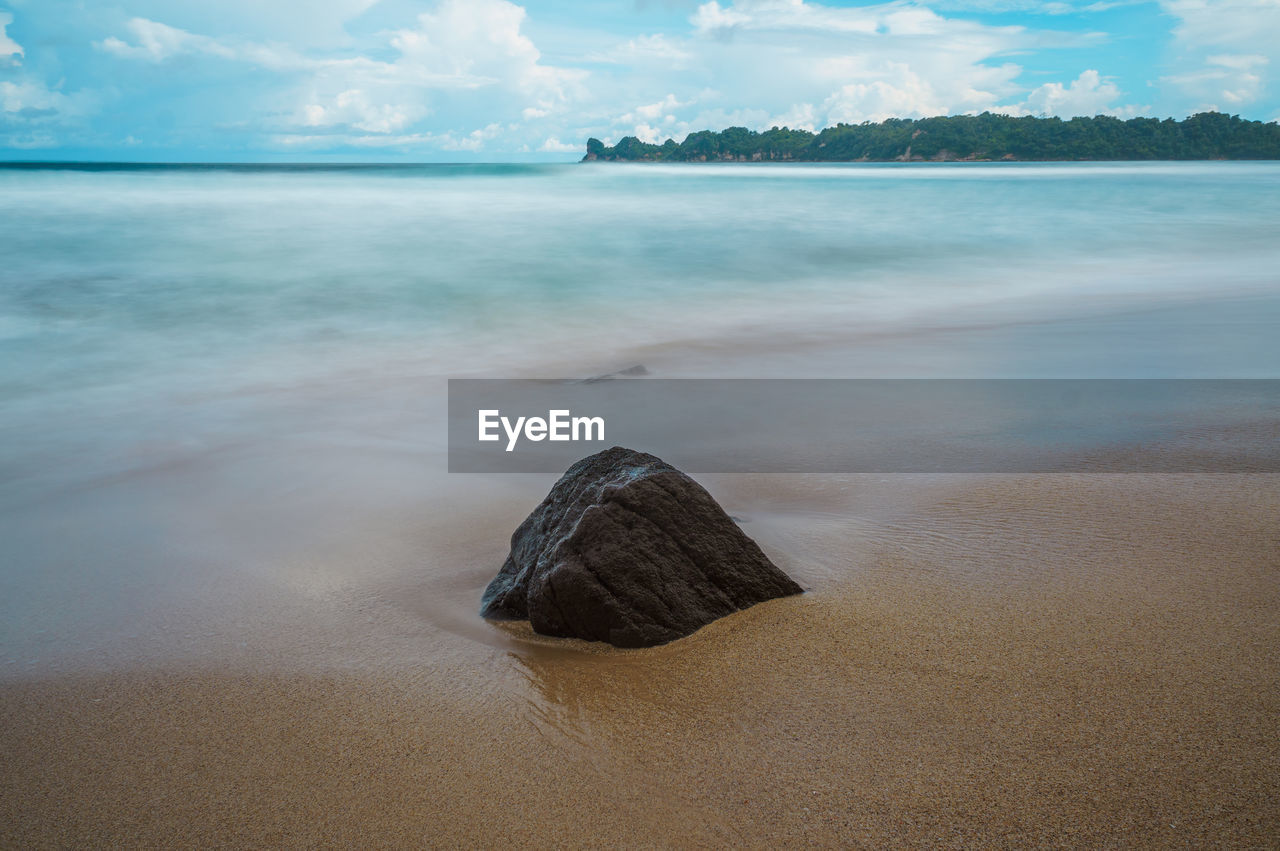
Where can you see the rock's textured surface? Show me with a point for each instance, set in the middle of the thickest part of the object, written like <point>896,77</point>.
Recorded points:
<point>629,550</point>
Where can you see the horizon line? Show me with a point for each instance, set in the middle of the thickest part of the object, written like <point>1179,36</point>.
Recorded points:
<point>15,164</point>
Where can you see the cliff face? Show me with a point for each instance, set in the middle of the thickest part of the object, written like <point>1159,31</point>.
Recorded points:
<point>968,138</point>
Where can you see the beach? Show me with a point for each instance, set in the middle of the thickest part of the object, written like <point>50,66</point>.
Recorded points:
<point>241,588</point>
<point>1005,661</point>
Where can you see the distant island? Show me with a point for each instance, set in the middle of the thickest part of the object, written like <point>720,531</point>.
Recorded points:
<point>969,138</point>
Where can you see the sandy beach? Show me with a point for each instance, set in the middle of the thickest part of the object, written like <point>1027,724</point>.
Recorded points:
<point>239,588</point>
<point>1008,661</point>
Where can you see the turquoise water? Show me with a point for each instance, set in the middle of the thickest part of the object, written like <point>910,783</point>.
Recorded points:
<point>180,343</point>
<point>137,279</point>
<point>133,289</point>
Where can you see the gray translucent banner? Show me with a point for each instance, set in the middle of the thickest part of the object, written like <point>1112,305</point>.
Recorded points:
<point>870,425</point>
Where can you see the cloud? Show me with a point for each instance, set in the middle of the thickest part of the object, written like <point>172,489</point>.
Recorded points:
<point>9,49</point>
<point>907,96</point>
<point>885,19</point>
<point>654,122</point>
<point>30,100</point>
<point>31,111</point>
<point>1237,62</point>
<point>763,63</point>
<point>156,42</point>
<point>1237,25</point>
<point>810,64</point>
<point>467,75</point>
<point>652,111</point>
<point>481,41</point>
<point>461,46</point>
<point>670,127</point>
<point>472,46</point>
<point>649,133</point>
<point>447,141</point>
<point>645,50</point>
<point>892,19</point>
<point>1031,6</point>
<point>1225,81</point>
<point>554,146</point>
<point>1089,94</point>
<point>1227,47</point>
<point>888,89</point>
<point>353,108</point>
<point>799,116</point>
<point>473,141</point>
<point>710,18</point>
<point>34,116</point>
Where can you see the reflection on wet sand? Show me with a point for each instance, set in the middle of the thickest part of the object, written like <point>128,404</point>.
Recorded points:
<point>1085,661</point>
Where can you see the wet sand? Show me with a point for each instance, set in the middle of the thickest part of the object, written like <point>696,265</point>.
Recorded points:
<point>1070,660</point>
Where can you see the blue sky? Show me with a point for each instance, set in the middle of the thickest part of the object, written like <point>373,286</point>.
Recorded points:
<point>493,79</point>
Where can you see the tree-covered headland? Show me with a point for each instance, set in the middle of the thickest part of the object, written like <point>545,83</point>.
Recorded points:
<point>970,138</point>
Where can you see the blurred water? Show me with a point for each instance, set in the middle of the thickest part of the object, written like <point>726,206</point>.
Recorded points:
<point>288,317</point>
<point>142,277</point>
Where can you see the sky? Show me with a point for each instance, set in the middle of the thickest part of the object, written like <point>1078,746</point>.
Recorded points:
<point>484,80</point>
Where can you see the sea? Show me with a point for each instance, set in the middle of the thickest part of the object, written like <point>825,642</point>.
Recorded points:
<point>209,372</point>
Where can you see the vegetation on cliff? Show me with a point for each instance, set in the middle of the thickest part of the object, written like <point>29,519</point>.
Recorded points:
<point>1205,136</point>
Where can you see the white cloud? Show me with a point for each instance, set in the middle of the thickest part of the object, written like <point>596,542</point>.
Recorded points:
<point>448,141</point>
<point>1228,46</point>
<point>711,18</point>
<point>909,96</point>
<point>1033,6</point>
<point>800,116</point>
<point>474,64</point>
<point>314,24</point>
<point>647,133</point>
<point>1226,81</point>
<point>460,46</point>
<point>645,50</point>
<point>353,108</point>
<point>480,41</point>
<point>652,111</point>
<point>1239,62</point>
<point>1089,94</point>
<point>671,127</point>
<point>464,45</point>
<point>29,108</point>
<point>809,64</point>
<point>29,100</point>
<point>655,122</point>
<point>895,89</point>
<point>1237,25</point>
<point>156,42</point>
<point>473,141</point>
<point>9,49</point>
<point>894,19</point>
<point>555,146</point>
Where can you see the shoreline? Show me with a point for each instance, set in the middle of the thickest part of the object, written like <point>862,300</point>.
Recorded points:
<point>1003,660</point>
<point>243,589</point>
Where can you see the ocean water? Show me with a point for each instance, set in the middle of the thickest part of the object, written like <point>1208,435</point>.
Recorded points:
<point>201,367</point>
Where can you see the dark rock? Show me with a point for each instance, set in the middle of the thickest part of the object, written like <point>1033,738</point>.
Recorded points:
<point>629,550</point>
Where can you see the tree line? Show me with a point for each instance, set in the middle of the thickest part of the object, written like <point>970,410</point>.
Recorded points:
<point>985,137</point>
